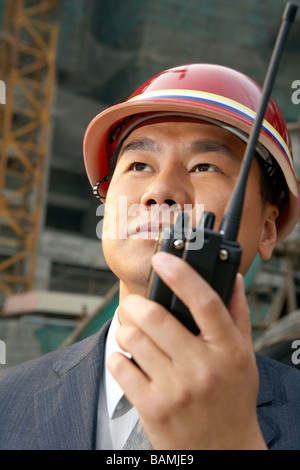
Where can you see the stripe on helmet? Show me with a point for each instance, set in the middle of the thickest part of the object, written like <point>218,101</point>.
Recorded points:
<point>220,101</point>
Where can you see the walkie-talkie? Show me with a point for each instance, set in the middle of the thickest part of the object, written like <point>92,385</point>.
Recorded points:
<point>219,258</point>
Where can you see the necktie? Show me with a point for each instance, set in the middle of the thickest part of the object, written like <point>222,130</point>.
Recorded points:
<point>138,439</point>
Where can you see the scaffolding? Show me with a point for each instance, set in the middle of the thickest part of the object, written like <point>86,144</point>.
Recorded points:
<point>28,50</point>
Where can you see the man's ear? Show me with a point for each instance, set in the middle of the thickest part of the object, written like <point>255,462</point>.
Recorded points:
<point>268,237</point>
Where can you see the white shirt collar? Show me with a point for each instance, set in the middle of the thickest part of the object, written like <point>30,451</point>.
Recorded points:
<point>113,391</point>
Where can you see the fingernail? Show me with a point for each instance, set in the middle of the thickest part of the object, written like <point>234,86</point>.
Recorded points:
<point>240,279</point>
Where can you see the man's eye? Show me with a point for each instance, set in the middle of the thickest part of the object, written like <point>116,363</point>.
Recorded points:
<point>206,167</point>
<point>138,166</point>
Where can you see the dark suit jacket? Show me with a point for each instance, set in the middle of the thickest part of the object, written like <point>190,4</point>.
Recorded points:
<point>51,402</point>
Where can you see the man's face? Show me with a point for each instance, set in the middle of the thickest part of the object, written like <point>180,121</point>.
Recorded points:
<point>184,162</point>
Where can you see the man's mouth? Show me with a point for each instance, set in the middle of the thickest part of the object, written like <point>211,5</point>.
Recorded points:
<point>145,231</point>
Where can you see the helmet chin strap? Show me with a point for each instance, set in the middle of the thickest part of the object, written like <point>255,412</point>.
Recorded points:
<point>96,188</point>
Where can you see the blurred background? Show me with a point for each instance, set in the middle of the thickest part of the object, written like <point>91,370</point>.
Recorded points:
<point>61,63</point>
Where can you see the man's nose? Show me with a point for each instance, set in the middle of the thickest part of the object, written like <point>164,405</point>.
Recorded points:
<point>167,188</point>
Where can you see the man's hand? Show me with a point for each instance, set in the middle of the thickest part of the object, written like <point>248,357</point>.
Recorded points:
<point>192,392</point>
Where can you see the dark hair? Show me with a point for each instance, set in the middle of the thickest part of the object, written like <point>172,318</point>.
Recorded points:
<point>273,187</point>
<point>113,161</point>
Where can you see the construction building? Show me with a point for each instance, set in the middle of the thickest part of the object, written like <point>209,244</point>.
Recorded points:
<point>64,61</point>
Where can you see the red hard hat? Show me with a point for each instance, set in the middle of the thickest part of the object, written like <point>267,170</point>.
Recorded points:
<point>212,91</point>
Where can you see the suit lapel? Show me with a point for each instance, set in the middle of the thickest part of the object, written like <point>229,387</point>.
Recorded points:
<point>264,402</point>
<point>66,412</point>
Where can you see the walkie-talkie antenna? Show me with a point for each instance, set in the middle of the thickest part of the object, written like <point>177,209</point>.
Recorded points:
<point>231,220</point>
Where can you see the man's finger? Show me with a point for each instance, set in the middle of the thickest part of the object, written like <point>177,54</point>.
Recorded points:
<point>239,309</point>
<point>155,321</point>
<point>207,308</point>
<point>133,381</point>
<point>152,360</point>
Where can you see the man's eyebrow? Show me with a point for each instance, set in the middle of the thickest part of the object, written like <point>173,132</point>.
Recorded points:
<point>144,144</point>
<point>210,146</point>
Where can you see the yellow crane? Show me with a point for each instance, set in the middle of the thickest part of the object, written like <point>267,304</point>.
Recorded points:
<point>27,68</point>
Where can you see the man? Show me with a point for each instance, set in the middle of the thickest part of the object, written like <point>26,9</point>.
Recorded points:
<point>177,142</point>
